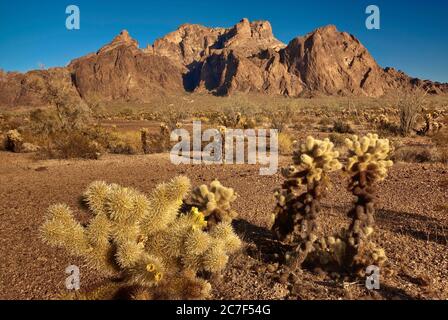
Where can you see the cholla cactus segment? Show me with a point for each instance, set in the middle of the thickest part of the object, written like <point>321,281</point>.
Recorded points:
<point>95,196</point>
<point>215,202</point>
<point>295,223</point>
<point>120,204</point>
<point>317,157</point>
<point>165,202</point>
<point>144,241</point>
<point>197,242</point>
<point>215,259</point>
<point>63,231</point>
<point>369,154</point>
<point>225,233</point>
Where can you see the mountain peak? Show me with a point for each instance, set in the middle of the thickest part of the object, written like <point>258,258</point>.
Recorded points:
<point>331,28</point>
<point>244,58</point>
<point>123,38</point>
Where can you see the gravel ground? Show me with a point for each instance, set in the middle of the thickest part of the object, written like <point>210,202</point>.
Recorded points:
<point>412,223</point>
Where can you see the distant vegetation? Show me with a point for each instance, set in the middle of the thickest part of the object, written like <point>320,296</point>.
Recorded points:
<point>70,129</point>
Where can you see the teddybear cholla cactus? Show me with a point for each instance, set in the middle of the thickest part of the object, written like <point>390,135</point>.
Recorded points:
<point>145,241</point>
<point>215,203</point>
<point>295,214</point>
<point>13,141</point>
<point>367,165</point>
<point>352,250</point>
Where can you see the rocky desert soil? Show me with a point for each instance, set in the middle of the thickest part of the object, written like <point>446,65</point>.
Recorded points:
<point>412,221</point>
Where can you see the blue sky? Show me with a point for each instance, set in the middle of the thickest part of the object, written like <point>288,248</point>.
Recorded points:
<point>413,35</point>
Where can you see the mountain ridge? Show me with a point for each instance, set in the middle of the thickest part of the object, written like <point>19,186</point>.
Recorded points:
<point>244,58</point>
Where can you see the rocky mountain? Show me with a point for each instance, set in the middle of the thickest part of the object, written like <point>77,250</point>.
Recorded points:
<point>244,58</point>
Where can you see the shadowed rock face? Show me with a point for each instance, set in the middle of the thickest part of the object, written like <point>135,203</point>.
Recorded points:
<point>244,58</point>
<point>121,71</point>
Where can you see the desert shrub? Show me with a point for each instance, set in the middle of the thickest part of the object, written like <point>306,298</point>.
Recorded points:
<point>229,118</point>
<point>69,145</point>
<point>63,130</point>
<point>171,118</point>
<point>87,142</point>
<point>156,142</point>
<point>410,105</point>
<point>431,126</point>
<point>280,120</point>
<point>440,139</point>
<point>285,143</point>
<point>415,154</point>
<point>248,122</point>
<point>341,126</point>
<point>10,121</point>
<point>124,142</point>
<point>127,113</point>
<point>45,122</point>
<point>71,111</point>
<point>325,121</point>
<point>155,251</point>
<point>386,127</point>
<point>116,142</point>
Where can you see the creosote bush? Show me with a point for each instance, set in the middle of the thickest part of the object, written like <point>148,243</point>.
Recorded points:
<point>153,250</point>
<point>157,142</point>
<point>341,126</point>
<point>285,143</point>
<point>410,105</point>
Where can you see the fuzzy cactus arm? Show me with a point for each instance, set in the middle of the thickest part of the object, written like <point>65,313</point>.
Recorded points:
<point>224,232</point>
<point>197,242</point>
<point>125,208</point>
<point>129,253</point>
<point>99,235</point>
<point>215,258</point>
<point>164,204</point>
<point>120,205</point>
<point>95,197</point>
<point>62,230</point>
